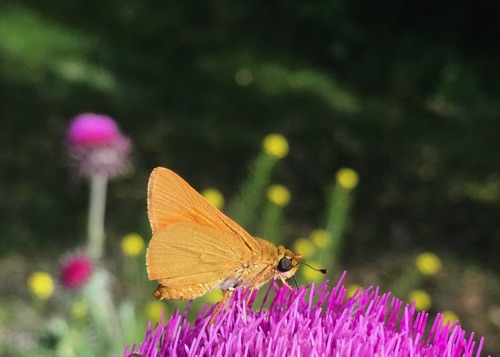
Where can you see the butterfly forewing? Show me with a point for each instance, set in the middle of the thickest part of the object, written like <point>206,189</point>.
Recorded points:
<point>194,244</point>
<point>172,200</point>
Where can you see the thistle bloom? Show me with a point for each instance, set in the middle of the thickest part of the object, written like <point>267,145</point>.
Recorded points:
<point>75,271</point>
<point>96,146</point>
<point>90,129</point>
<point>98,151</point>
<point>313,321</point>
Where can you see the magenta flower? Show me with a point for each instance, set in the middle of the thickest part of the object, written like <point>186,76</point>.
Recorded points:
<point>310,322</point>
<point>96,146</point>
<point>75,271</point>
<point>91,130</point>
<point>98,151</point>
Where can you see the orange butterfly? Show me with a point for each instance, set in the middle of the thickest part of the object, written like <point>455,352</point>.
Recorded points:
<point>196,249</point>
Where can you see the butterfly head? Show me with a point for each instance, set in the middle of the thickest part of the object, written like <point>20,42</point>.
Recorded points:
<point>287,263</point>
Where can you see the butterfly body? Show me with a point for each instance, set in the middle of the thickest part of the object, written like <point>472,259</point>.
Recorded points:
<point>196,249</point>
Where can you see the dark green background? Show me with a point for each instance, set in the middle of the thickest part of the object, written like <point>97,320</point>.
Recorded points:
<point>405,93</point>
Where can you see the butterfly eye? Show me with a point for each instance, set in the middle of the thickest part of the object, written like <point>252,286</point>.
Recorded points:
<point>285,264</point>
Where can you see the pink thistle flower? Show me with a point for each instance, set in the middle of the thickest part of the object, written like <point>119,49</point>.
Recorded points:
<point>92,130</point>
<point>75,271</point>
<point>96,146</point>
<point>309,322</point>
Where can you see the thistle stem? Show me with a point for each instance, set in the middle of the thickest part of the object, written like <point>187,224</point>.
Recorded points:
<point>95,223</point>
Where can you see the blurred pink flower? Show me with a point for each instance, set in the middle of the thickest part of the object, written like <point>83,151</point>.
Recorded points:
<point>92,129</point>
<point>75,271</point>
<point>97,147</point>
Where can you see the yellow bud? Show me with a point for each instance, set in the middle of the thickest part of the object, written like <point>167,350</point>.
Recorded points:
<point>422,299</point>
<point>321,238</point>
<point>276,145</point>
<point>347,178</point>
<point>449,316</point>
<point>214,196</point>
<point>351,290</point>
<point>132,245</point>
<point>41,285</point>
<point>312,275</point>
<point>79,309</point>
<point>428,263</point>
<point>154,310</point>
<point>304,247</point>
<point>278,194</point>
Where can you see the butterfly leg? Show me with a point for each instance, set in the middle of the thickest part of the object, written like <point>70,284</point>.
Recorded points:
<point>225,296</point>
<point>250,295</point>
<point>285,283</point>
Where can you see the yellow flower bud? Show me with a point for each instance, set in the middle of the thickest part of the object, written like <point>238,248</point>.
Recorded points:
<point>312,275</point>
<point>276,145</point>
<point>422,299</point>
<point>278,194</point>
<point>154,310</point>
<point>214,196</point>
<point>351,290</point>
<point>41,285</point>
<point>79,309</point>
<point>449,316</point>
<point>132,245</point>
<point>304,246</point>
<point>428,263</point>
<point>321,238</point>
<point>347,178</point>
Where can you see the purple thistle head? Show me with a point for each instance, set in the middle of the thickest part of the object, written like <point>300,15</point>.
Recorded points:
<point>75,271</point>
<point>313,321</point>
<point>96,146</point>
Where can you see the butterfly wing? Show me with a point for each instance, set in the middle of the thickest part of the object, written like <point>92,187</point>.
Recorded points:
<point>195,248</point>
<point>172,200</point>
<point>190,260</point>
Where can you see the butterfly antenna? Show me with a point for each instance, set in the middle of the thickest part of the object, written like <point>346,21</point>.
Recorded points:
<point>323,271</point>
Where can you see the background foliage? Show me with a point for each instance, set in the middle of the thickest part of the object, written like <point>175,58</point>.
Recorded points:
<point>404,93</point>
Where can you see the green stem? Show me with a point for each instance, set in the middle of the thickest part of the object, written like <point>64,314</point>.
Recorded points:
<point>253,190</point>
<point>337,218</point>
<point>273,225</point>
<point>95,223</point>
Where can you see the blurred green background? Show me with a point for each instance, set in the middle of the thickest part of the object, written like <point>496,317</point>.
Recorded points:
<point>406,94</point>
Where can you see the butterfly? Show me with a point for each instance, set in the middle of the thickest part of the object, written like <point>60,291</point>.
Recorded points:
<point>195,248</point>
